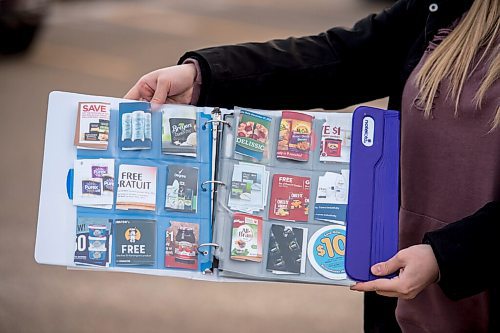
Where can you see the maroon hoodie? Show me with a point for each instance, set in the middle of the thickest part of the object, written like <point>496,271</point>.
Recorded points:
<point>450,167</point>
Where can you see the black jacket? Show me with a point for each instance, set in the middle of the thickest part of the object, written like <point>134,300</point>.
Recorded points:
<point>342,67</point>
<point>331,70</point>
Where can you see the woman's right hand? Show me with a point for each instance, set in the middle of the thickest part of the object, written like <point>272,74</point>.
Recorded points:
<point>166,85</point>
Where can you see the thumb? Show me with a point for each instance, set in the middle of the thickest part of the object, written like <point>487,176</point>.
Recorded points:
<point>387,267</point>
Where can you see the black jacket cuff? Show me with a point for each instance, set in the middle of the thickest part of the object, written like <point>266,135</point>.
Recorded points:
<point>466,253</point>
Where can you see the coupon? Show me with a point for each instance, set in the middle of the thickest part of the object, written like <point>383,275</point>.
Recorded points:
<point>249,185</point>
<point>252,138</point>
<point>179,131</point>
<point>290,198</point>
<point>135,242</point>
<point>295,136</point>
<point>93,183</point>
<point>336,138</point>
<point>92,125</point>
<point>287,250</point>
<point>181,245</point>
<point>326,252</point>
<point>182,188</point>
<point>136,131</point>
<point>93,241</point>
<point>136,187</point>
<point>331,198</point>
<point>246,242</point>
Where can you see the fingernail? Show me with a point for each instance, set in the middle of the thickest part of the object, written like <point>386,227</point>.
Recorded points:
<point>376,269</point>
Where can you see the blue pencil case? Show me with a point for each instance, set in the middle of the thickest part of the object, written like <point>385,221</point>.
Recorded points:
<point>372,214</point>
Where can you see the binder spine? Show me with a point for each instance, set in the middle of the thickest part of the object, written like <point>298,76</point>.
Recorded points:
<point>218,124</point>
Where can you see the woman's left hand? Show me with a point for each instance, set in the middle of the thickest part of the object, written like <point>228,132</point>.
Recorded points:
<point>417,267</point>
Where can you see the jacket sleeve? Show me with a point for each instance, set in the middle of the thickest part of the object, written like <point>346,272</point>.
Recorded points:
<point>467,252</point>
<point>334,69</point>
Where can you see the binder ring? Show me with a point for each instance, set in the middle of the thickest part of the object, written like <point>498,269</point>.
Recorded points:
<point>225,122</point>
<point>218,182</point>
<point>214,245</point>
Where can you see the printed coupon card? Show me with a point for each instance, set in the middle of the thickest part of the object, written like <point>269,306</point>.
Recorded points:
<point>179,131</point>
<point>252,137</point>
<point>326,252</point>
<point>182,188</point>
<point>331,198</point>
<point>135,242</point>
<point>336,138</point>
<point>93,183</point>
<point>181,245</point>
<point>92,125</point>
<point>135,126</point>
<point>93,241</point>
<point>290,198</point>
<point>287,250</point>
<point>136,187</point>
<point>294,140</point>
<point>249,187</point>
<point>246,243</point>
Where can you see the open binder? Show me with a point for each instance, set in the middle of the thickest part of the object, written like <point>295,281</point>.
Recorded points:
<point>307,197</point>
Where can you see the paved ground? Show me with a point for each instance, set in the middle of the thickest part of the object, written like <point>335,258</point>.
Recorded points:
<point>102,47</point>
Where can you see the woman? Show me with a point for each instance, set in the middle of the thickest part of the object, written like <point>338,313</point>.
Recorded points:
<point>439,62</point>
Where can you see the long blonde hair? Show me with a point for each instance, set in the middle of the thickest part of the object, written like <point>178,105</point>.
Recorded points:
<point>454,57</point>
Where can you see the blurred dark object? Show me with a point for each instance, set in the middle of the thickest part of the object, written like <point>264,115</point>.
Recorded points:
<point>390,2</point>
<point>20,20</point>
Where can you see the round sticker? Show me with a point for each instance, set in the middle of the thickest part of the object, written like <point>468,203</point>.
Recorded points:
<point>326,252</point>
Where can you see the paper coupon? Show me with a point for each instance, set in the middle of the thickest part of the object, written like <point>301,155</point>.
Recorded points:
<point>92,125</point>
<point>136,187</point>
<point>290,198</point>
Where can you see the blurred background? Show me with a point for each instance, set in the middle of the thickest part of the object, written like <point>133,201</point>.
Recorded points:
<point>102,47</point>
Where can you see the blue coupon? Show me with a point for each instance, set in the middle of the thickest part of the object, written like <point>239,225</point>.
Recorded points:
<point>326,251</point>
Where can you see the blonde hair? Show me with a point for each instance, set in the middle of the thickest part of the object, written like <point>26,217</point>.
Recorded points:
<point>454,57</point>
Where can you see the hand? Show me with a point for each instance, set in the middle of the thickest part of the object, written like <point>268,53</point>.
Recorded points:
<point>167,85</point>
<point>417,267</point>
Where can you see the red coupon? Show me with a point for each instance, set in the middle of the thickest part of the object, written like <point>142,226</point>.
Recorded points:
<point>294,141</point>
<point>290,198</point>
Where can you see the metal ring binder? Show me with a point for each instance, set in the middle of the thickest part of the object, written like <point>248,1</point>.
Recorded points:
<point>218,182</point>
<point>204,127</point>
<point>214,245</point>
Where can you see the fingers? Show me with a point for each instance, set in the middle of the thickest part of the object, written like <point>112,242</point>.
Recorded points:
<point>133,93</point>
<point>140,91</point>
<point>162,90</point>
<point>417,269</point>
<point>390,294</point>
<point>393,285</point>
<point>165,85</point>
<point>387,267</point>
